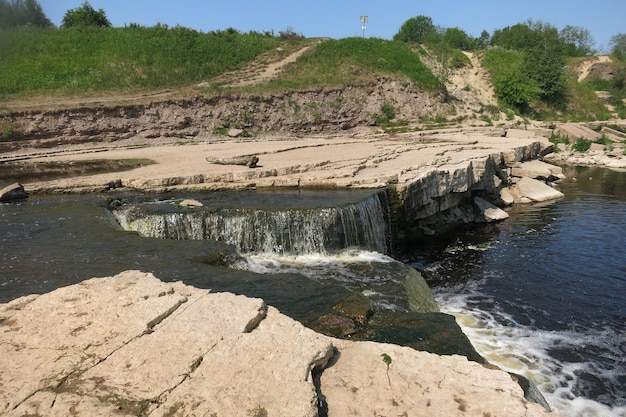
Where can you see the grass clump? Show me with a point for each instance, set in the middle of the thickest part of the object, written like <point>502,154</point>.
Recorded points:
<point>556,140</point>
<point>581,145</point>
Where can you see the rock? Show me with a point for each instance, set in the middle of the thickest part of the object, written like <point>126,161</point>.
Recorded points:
<point>235,133</point>
<point>529,190</point>
<point>419,294</point>
<point>436,333</point>
<point>356,307</point>
<point>506,196</point>
<point>133,345</point>
<point>190,203</point>
<point>13,192</point>
<point>335,325</point>
<point>250,161</point>
<point>538,170</point>
<point>388,380</point>
<point>489,212</point>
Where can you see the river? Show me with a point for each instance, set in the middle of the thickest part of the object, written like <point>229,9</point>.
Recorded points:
<point>541,294</point>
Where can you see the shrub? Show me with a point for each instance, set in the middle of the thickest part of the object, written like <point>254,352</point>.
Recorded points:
<point>581,145</point>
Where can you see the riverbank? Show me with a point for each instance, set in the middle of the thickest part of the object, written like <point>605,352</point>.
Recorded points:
<point>133,345</point>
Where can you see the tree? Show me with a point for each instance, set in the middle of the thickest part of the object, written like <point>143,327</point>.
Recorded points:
<point>22,13</point>
<point>618,45</point>
<point>85,15</point>
<point>416,30</point>
<point>578,41</point>
<point>458,39</point>
<point>544,51</point>
<point>483,40</point>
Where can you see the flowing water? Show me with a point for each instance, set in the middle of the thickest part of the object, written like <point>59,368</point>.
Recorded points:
<point>540,294</point>
<point>543,294</point>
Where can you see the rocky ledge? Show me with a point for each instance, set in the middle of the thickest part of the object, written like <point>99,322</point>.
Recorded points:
<point>132,345</point>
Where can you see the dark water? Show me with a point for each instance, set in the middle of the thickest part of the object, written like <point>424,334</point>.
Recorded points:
<point>544,293</point>
<point>540,294</point>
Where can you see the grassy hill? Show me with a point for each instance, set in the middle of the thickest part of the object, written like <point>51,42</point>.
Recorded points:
<point>91,62</point>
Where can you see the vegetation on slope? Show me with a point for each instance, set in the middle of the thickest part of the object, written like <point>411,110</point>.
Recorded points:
<point>528,61</point>
<point>354,60</point>
<point>93,59</point>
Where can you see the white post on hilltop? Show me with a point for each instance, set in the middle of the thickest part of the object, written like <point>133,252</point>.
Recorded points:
<point>364,20</point>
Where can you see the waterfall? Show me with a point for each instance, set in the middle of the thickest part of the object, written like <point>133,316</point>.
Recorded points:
<point>362,225</point>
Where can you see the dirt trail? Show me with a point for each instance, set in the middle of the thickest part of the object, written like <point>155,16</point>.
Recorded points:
<point>262,69</point>
<point>585,66</point>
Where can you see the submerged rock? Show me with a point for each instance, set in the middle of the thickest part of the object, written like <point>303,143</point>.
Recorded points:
<point>13,192</point>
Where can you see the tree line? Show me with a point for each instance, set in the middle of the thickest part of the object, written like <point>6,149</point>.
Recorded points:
<point>526,60</point>
<point>20,13</point>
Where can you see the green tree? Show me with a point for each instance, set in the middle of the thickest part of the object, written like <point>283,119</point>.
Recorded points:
<point>618,45</point>
<point>416,30</point>
<point>457,38</point>
<point>578,41</point>
<point>483,40</point>
<point>22,13</point>
<point>517,37</point>
<point>85,15</point>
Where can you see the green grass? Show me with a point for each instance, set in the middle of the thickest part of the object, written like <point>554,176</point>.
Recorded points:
<point>75,61</point>
<point>350,61</point>
<point>581,145</point>
<point>557,140</point>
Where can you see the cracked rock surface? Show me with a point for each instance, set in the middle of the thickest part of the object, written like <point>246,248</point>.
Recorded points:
<point>134,345</point>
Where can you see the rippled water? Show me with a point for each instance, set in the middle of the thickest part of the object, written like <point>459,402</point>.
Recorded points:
<point>544,293</point>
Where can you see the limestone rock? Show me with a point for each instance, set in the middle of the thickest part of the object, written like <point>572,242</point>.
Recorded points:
<point>190,203</point>
<point>506,196</point>
<point>529,190</point>
<point>133,345</point>
<point>538,170</point>
<point>13,192</point>
<point>389,380</point>
<point>489,212</point>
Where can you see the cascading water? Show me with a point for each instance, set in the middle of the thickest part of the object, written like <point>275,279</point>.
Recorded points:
<point>293,231</point>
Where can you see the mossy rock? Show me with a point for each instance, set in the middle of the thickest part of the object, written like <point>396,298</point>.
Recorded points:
<point>356,307</point>
<point>436,333</point>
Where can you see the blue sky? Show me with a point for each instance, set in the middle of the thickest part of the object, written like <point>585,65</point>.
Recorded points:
<point>340,18</point>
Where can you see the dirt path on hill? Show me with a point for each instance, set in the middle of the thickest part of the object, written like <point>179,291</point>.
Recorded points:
<point>264,68</point>
<point>585,66</point>
<point>261,71</point>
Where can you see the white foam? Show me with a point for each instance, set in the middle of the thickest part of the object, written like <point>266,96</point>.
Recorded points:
<point>525,350</point>
<point>373,274</point>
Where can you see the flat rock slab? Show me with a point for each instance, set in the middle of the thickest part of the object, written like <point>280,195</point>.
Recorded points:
<point>537,169</point>
<point>132,345</point>
<point>531,190</point>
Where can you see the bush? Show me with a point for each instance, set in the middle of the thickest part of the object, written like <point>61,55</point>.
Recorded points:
<point>581,145</point>
<point>85,15</point>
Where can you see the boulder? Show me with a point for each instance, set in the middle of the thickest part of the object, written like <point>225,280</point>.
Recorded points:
<point>489,212</point>
<point>13,192</point>
<point>133,345</point>
<point>538,170</point>
<point>189,203</point>
<point>528,190</point>
<point>377,379</point>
